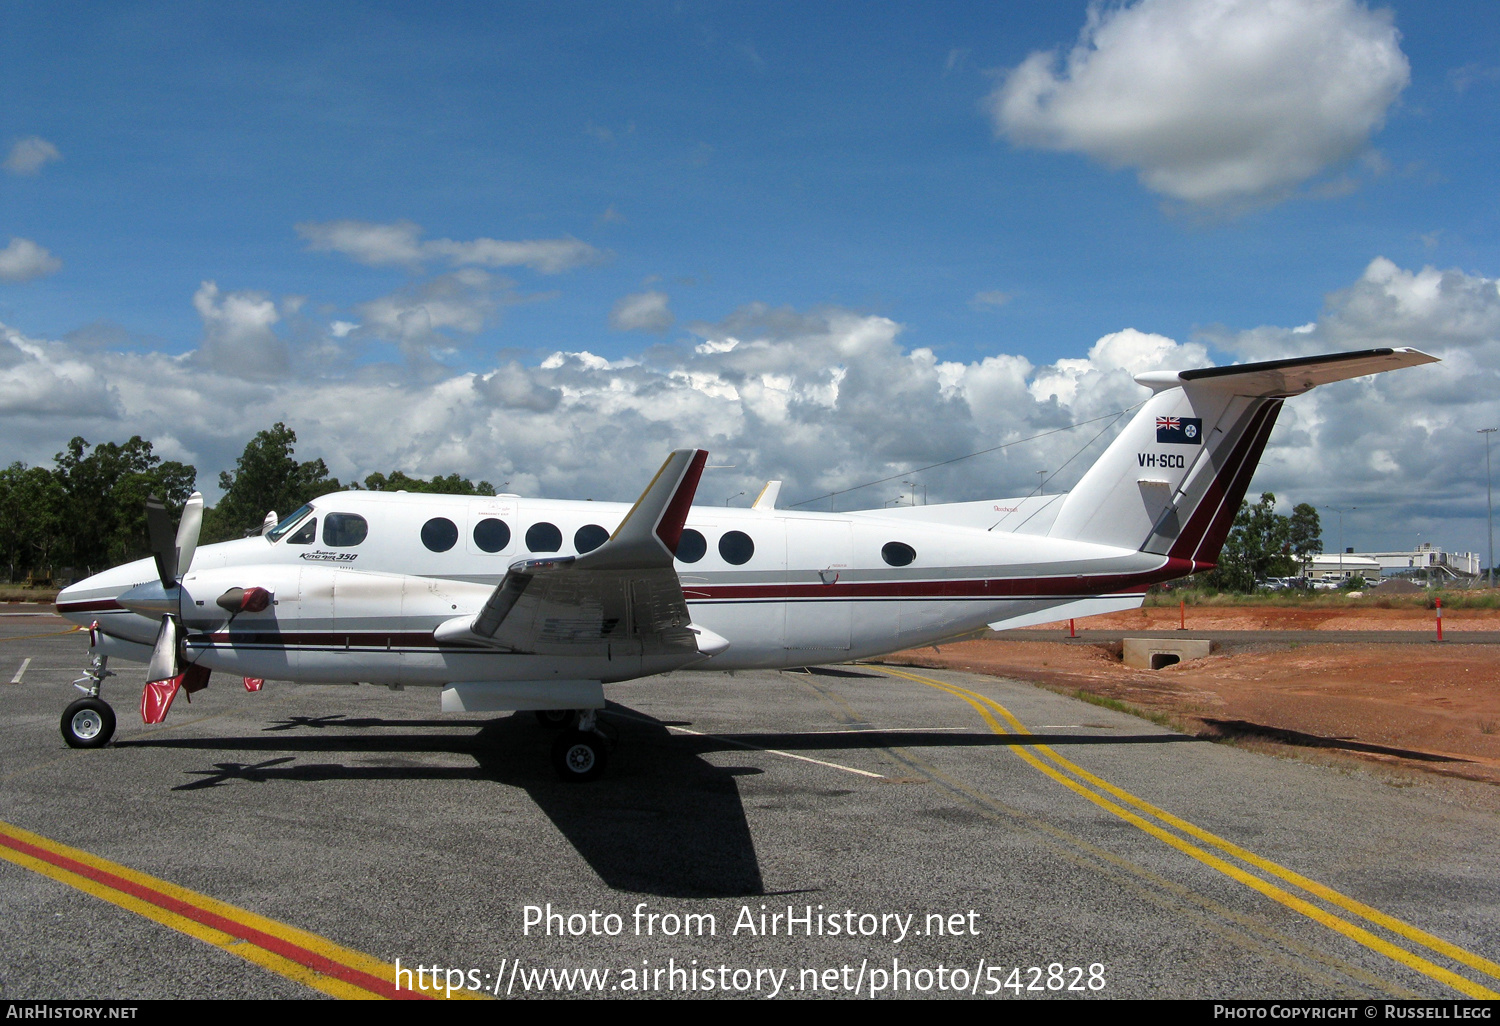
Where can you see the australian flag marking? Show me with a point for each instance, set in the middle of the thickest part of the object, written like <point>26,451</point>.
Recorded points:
<point>1180,430</point>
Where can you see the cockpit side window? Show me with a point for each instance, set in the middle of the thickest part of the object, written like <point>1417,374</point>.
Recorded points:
<point>341,530</point>
<point>305,535</point>
<point>287,523</point>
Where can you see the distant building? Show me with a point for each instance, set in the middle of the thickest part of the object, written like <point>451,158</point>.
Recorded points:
<point>1348,564</point>
<point>1426,559</point>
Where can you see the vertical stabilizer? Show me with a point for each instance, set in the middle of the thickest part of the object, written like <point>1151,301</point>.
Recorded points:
<point>1172,481</point>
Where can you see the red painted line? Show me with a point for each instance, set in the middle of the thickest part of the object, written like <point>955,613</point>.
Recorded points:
<point>286,949</point>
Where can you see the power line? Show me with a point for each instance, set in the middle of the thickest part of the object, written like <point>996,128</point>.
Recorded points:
<point>982,452</point>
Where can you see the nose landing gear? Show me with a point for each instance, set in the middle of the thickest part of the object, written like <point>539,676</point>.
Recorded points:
<point>580,755</point>
<point>90,722</point>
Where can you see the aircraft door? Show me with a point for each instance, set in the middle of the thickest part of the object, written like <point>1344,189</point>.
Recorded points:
<point>818,611</point>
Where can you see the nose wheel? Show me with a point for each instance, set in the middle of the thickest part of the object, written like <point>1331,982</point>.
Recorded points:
<point>88,723</point>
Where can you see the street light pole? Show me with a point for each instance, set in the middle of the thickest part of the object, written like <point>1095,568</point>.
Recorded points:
<point>1489,498</point>
<point>1341,510</point>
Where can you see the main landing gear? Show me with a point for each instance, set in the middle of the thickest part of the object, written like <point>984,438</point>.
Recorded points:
<point>579,754</point>
<point>90,722</point>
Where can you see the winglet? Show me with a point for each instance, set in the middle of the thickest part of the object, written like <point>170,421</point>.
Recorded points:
<point>649,534</point>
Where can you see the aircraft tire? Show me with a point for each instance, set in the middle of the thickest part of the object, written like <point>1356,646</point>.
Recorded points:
<point>579,757</point>
<point>555,719</point>
<point>88,723</point>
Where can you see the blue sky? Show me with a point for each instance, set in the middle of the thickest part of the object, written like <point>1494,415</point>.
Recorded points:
<point>694,172</point>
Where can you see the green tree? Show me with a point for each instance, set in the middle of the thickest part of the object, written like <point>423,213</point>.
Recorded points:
<point>104,499</point>
<point>31,518</point>
<point>266,477</point>
<point>1261,544</point>
<point>1304,533</point>
<point>453,484</point>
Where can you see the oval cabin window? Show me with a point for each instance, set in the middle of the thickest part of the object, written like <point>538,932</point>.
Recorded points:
<point>589,537</point>
<point>440,534</point>
<point>543,537</point>
<point>736,547</point>
<point>691,546</point>
<point>491,535</point>
<point>898,553</point>
<point>341,530</point>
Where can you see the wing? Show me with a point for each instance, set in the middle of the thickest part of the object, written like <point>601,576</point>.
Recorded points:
<point>624,593</point>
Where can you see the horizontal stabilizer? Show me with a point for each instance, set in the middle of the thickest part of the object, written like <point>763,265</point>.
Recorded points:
<point>1278,378</point>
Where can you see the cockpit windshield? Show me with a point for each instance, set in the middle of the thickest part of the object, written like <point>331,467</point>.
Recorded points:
<point>287,523</point>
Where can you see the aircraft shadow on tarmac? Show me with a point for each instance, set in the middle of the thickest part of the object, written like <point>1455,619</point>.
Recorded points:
<point>663,821</point>
<point>1287,736</point>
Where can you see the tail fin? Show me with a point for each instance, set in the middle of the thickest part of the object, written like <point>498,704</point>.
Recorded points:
<point>1172,482</point>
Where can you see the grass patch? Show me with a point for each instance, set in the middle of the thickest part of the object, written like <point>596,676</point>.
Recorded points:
<point>21,593</point>
<point>1104,702</point>
<point>1479,598</point>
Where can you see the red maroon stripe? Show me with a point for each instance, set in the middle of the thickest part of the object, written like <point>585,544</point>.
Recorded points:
<point>286,949</point>
<point>1189,539</point>
<point>1218,530</point>
<point>91,606</point>
<point>669,528</point>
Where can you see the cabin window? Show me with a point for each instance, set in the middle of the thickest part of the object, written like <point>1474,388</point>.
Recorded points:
<point>491,535</point>
<point>691,546</point>
<point>341,530</point>
<point>307,535</point>
<point>736,547</point>
<point>898,553</point>
<point>440,534</point>
<point>543,537</point>
<point>589,537</point>
<point>285,524</point>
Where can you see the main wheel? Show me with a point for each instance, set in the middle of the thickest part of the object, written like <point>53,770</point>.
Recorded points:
<point>578,756</point>
<point>88,723</point>
<point>555,719</point>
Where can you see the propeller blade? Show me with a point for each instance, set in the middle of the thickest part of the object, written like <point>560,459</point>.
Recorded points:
<point>187,533</point>
<point>163,544</point>
<point>164,654</point>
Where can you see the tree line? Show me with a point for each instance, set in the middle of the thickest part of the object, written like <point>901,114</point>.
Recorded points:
<point>88,510</point>
<point>1263,543</point>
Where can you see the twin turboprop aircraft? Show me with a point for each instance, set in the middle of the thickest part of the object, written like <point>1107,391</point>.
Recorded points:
<point>508,603</point>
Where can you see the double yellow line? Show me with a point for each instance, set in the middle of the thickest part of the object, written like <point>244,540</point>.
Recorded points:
<point>1101,792</point>
<point>296,954</point>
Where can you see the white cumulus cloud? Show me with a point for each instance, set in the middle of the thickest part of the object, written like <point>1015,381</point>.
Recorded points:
<point>826,400</point>
<point>400,243</point>
<point>24,260</point>
<point>1211,101</point>
<point>28,156</point>
<point>238,333</point>
<point>643,311</point>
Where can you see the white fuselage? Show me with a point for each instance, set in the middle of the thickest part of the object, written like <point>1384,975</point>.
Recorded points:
<point>809,588</point>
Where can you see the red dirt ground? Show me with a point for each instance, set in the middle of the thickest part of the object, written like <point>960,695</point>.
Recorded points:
<point>1413,706</point>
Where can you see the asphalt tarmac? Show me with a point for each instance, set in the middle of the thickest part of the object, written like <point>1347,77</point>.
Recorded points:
<point>1118,859</point>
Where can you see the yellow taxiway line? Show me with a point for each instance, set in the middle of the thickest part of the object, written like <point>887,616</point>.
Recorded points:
<point>296,954</point>
<point>1090,786</point>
